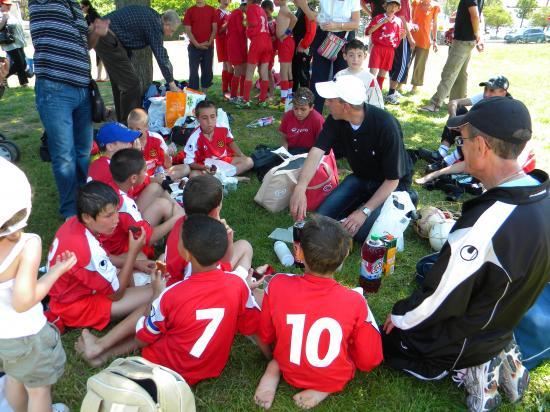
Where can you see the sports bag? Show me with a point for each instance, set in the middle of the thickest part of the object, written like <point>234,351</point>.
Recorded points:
<point>99,113</point>
<point>134,384</point>
<point>323,183</point>
<point>6,35</point>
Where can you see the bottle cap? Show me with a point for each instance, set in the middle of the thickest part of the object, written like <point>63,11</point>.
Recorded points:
<point>374,236</point>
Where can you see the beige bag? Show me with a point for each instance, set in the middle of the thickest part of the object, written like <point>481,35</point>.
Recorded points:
<point>136,385</point>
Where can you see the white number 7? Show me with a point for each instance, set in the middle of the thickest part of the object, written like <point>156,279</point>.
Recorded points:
<point>216,316</point>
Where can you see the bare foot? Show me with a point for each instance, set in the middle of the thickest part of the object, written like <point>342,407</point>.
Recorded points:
<point>309,398</point>
<point>88,346</point>
<point>265,392</point>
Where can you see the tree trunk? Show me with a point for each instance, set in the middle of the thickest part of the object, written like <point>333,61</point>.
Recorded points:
<point>521,22</point>
<point>141,59</point>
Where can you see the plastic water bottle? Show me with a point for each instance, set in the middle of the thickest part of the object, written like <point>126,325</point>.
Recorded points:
<point>297,239</point>
<point>261,122</point>
<point>372,262</point>
<point>288,102</point>
<point>283,253</point>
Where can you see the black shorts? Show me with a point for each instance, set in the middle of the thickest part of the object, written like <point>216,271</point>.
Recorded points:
<point>401,62</point>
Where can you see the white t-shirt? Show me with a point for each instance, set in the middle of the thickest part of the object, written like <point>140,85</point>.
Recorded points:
<point>374,95</point>
<point>476,98</point>
<point>338,11</point>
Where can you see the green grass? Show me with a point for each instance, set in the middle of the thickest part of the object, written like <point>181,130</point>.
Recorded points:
<point>526,66</point>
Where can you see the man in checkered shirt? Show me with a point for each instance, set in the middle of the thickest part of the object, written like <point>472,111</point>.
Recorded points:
<point>132,28</point>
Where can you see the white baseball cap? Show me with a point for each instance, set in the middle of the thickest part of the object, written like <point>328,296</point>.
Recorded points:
<point>16,195</point>
<point>348,88</point>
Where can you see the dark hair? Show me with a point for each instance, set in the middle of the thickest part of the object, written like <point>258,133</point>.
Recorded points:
<point>94,197</point>
<point>205,238</point>
<point>354,44</point>
<point>502,148</point>
<point>205,104</point>
<point>126,163</point>
<point>16,218</point>
<point>303,96</point>
<point>325,244</point>
<point>267,4</point>
<point>202,194</point>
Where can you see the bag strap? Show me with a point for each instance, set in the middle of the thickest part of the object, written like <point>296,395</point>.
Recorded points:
<point>91,403</point>
<point>328,171</point>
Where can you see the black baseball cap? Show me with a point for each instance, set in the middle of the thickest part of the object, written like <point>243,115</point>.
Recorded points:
<point>499,117</point>
<point>499,82</point>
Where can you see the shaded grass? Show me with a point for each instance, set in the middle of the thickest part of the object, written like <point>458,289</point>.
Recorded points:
<point>526,66</point>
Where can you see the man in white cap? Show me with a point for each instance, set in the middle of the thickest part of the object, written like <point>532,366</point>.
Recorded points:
<point>372,141</point>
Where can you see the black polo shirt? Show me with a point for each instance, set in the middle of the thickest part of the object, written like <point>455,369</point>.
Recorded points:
<point>375,151</point>
<point>463,23</point>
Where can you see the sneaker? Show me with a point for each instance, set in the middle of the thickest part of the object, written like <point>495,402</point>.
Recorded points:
<point>236,100</point>
<point>244,105</point>
<point>265,103</point>
<point>481,383</point>
<point>430,156</point>
<point>398,94</point>
<point>60,407</point>
<point>514,378</point>
<point>392,99</point>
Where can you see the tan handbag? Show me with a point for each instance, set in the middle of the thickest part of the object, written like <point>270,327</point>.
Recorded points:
<point>134,384</point>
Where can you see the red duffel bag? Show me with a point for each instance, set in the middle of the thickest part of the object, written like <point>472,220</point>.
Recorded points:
<point>323,183</point>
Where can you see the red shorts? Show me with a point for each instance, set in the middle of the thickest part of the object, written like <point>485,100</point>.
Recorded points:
<point>236,53</point>
<point>221,49</point>
<point>381,57</point>
<point>92,311</point>
<point>260,50</point>
<point>286,49</point>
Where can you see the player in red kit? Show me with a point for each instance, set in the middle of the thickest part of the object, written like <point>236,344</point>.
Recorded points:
<point>259,52</point>
<point>236,51</point>
<point>221,44</point>
<point>321,330</point>
<point>286,21</point>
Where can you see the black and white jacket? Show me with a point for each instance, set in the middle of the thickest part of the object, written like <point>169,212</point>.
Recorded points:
<point>491,270</point>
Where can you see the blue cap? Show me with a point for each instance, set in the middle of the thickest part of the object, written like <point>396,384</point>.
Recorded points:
<point>116,132</point>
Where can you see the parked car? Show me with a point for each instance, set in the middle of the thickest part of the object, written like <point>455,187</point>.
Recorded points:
<point>526,35</point>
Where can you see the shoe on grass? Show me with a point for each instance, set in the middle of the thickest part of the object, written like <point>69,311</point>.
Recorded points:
<point>481,383</point>
<point>265,103</point>
<point>60,407</point>
<point>392,99</point>
<point>514,378</point>
<point>433,167</point>
<point>244,105</point>
<point>430,156</point>
<point>430,108</point>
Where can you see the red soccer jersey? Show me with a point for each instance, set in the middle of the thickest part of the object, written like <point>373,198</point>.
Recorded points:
<point>304,133</point>
<point>200,20</point>
<point>99,171</point>
<point>93,272</point>
<point>322,331</point>
<point>236,37</point>
<point>192,324</point>
<point>222,17</point>
<point>256,21</point>
<point>199,147</point>
<point>153,152</point>
<point>128,215</point>
<point>387,34</point>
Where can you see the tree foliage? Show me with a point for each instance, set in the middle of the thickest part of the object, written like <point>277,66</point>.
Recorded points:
<point>524,9</point>
<point>496,16</point>
<point>540,17</point>
<point>179,5</point>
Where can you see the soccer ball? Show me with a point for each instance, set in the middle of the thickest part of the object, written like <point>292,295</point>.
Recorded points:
<point>427,217</point>
<point>439,233</point>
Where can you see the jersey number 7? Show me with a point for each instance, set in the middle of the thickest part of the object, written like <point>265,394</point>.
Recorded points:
<point>216,316</point>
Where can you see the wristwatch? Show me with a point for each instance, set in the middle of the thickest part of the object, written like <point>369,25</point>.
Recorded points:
<point>366,211</point>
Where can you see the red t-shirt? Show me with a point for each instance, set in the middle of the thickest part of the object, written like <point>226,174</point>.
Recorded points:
<point>153,152</point>
<point>199,147</point>
<point>128,215</point>
<point>192,324</point>
<point>93,272</point>
<point>388,34</point>
<point>200,20</point>
<point>322,331</point>
<point>236,32</point>
<point>256,21</point>
<point>301,134</point>
<point>222,16</point>
<point>404,11</point>
<point>99,171</point>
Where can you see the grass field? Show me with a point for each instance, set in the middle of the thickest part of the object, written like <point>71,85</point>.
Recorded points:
<point>526,66</point>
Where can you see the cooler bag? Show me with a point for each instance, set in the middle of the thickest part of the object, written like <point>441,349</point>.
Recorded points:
<point>323,183</point>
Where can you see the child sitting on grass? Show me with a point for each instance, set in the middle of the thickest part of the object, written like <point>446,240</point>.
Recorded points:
<point>211,142</point>
<point>154,149</point>
<point>301,126</point>
<point>31,353</point>
<point>355,54</point>
<point>321,330</point>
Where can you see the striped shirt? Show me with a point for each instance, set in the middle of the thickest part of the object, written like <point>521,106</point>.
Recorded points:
<point>140,26</point>
<point>59,35</point>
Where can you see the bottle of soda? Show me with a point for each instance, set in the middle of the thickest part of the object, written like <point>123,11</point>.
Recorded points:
<point>296,237</point>
<point>372,260</point>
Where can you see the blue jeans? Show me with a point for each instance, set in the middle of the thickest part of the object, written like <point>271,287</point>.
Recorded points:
<point>66,114</point>
<point>203,59</point>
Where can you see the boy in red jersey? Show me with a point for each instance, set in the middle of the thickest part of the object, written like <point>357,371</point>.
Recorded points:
<point>236,51</point>
<point>259,52</point>
<point>203,195</point>
<point>286,21</point>
<point>211,142</point>
<point>221,44</point>
<point>154,149</point>
<point>386,31</point>
<point>335,322</point>
<point>92,293</point>
<point>269,8</point>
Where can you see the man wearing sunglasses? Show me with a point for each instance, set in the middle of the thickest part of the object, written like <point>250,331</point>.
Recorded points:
<point>494,265</point>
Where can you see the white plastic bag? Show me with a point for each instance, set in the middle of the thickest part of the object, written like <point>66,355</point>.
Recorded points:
<point>193,97</point>
<point>222,120</point>
<point>394,217</point>
<point>157,112</point>
<point>223,168</point>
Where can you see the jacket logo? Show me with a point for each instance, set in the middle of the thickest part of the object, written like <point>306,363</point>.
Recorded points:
<point>221,143</point>
<point>468,253</point>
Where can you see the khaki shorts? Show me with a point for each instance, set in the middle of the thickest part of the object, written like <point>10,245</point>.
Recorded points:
<point>36,360</point>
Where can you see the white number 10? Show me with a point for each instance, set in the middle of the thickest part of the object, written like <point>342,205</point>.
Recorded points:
<point>216,316</point>
<point>312,340</point>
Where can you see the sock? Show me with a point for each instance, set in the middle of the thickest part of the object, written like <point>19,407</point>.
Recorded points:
<point>380,81</point>
<point>284,89</point>
<point>235,86</point>
<point>225,81</point>
<point>452,158</point>
<point>443,150</point>
<point>391,91</point>
<point>264,87</point>
<point>246,91</point>
<point>241,86</point>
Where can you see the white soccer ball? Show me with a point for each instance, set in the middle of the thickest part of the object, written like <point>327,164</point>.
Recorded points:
<point>428,216</point>
<point>439,233</point>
